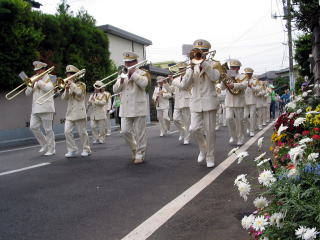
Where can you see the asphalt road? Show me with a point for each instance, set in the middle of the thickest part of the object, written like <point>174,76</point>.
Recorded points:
<point>105,196</point>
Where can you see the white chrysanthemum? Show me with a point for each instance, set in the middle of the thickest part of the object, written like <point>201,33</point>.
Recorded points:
<point>241,156</point>
<point>304,94</point>
<point>263,162</point>
<point>299,111</point>
<point>298,121</point>
<point>260,223</point>
<point>232,151</point>
<point>281,129</point>
<point>300,231</point>
<point>291,105</point>
<point>259,157</point>
<point>309,91</point>
<point>247,221</point>
<point>313,156</point>
<point>296,153</point>
<point>240,178</point>
<point>291,115</point>
<point>260,141</point>
<point>292,172</point>
<point>305,140</point>
<point>244,190</point>
<point>266,178</point>
<point>260,202</point>
<point>310,234</point>
<point>276,219</point>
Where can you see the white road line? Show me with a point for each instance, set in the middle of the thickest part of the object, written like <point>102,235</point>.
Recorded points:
<point>149,226</point>
<point>34,146</point>
<point>23,169</point>
<point>173,132</point>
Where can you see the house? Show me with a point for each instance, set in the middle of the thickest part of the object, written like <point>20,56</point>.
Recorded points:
<point>121,40</point>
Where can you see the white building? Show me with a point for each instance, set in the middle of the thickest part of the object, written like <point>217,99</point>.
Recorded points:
<point>121,40</point>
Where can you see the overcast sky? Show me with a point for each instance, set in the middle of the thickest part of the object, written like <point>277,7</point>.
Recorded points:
<point>240,29</point>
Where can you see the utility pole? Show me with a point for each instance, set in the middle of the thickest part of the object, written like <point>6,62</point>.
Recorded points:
<point>287,16</point>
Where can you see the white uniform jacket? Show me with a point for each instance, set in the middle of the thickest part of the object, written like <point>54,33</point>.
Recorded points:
<point>98,102</point>
<point>181,96</point>
<point>236,100</point>
<point>203,92</point>
<point>41,87</point>
<point>250,93</point>
<point>76,109</point>
<point>162,102</point>
<point>133,94</point>
<point>260,96</point>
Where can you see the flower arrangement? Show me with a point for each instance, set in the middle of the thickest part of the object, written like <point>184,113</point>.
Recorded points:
<point>289,207</point>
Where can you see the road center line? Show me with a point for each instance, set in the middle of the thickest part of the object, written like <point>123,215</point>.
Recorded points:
<point>23,169</point>
<point>34,146</point>
<point>149,226</point>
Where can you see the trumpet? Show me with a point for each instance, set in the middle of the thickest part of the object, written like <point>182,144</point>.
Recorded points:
<point>197,56</point>
<point>60,86</point>
<point>27,82</point>
<point>123,72</point>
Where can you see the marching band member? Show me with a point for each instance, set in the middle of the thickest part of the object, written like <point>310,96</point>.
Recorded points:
<point>204,103</point>
<point>259,106</point>
<point>133,108</point>
<point>264,103</point>
<point>161,98</point>
<point>235,105</point>
<point>108,109</point>
<point>181,113</point>
<point>74,94</point>
<point>42,113</point>
<point>221,114</point>
<point>98,102</point>
<point>251,101</point>
<point>267,109</point>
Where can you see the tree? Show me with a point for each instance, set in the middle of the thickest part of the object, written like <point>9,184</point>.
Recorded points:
<point>307,16</point>
<point>58,40</point>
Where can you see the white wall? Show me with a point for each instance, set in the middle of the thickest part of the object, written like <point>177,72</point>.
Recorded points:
<point>119,45</point>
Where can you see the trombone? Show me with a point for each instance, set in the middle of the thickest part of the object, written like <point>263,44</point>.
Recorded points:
<point>27,82</point>
<point>60,86</point>
<point>122,72</point>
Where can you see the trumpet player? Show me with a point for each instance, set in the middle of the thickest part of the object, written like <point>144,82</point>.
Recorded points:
<point>133,108</point>
<point>161,98</point>
<point>181,113</point>
<point>235,104</point>
<point>250,112</point>
<point>98,102</point>
<point>204,101</point>
<point>42,113</point>
<point>76,115</point>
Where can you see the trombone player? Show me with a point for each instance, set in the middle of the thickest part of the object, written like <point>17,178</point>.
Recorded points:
<point>76,115</point>
<point>181,113</point>
<point>204,101</point>
<point>133,108</point>
<point>42,114</point>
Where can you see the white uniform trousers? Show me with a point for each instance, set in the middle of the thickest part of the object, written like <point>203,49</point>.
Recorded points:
<point>203,128</point>
<point>45,119</point>
<point>164,120</point>
<point>182,119</point>
<point>134,132</point>
<point>267,113</point>
<point>235,122</point>
<point>250,110</point>
<point>260,111</point>
<point>81,125</point>
<point>264,116</point>
<point>98,129</point>
<point>108,124</point>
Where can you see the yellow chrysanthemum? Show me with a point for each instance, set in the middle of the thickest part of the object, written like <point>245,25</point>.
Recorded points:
<point>309,109</point>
